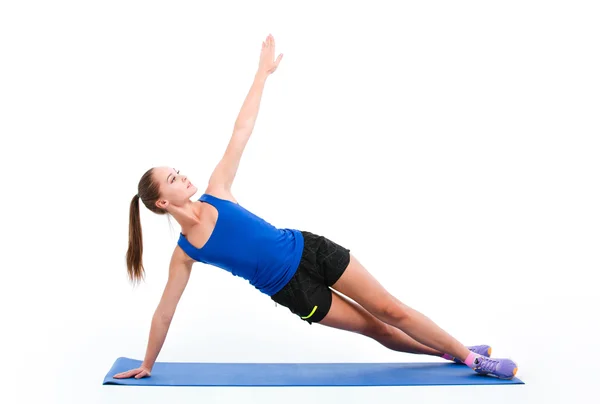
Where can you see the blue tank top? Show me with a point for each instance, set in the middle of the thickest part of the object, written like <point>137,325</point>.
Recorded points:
<point>249,247</point>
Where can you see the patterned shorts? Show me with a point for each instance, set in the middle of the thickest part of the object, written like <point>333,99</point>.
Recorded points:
<point>307,294</point>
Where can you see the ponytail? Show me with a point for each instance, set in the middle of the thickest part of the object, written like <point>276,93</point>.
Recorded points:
<point>148,194</point>
<point>135,268</point>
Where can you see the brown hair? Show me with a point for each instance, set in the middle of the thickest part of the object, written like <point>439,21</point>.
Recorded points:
<point>148,192</point>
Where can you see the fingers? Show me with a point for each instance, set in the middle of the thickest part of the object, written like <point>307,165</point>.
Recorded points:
<point>123,375</point>
<point>269,42</point>
<point>138,373</point>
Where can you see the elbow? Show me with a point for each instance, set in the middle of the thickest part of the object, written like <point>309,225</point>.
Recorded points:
<point>243,128</point>
<point>163,317</point>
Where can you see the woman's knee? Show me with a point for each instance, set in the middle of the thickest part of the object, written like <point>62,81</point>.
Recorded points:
<point>390,310</point>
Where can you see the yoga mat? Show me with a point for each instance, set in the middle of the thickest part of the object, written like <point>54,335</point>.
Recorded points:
<point>301,374</point>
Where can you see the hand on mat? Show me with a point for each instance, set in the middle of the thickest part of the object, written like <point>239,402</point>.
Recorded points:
<point>138,373</point>
<point>266,64</point>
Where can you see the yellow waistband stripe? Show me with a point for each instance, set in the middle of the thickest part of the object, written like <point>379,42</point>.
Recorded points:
<point>311,313</point>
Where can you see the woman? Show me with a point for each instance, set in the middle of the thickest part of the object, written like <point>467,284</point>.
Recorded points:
<point>305,272</point>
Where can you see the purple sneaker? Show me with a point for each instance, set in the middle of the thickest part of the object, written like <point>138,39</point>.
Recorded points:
<point>500,368</point>
<point>484,350</point>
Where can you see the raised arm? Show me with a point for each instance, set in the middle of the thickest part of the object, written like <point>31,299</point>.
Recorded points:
<point>179,274</point>
<point>225,171</point>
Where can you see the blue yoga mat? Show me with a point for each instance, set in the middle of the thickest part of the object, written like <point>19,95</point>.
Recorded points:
<point>301,374</point>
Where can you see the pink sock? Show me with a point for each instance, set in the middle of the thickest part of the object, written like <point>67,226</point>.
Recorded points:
<point>448,357</point>
<point>471,358</point>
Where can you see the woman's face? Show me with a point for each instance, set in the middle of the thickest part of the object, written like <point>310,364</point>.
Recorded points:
<point>174,186</point>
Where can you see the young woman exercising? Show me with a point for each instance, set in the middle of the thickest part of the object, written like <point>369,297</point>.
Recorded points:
<point>305,272</point>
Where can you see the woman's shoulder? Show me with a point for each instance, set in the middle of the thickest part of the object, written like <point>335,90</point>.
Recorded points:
<point>220,192</point>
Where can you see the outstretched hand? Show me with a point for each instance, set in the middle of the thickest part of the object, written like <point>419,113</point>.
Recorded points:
<point>266,64</point>
<point>137,373</point>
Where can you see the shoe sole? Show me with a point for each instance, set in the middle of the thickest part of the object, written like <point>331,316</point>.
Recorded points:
<point>515,370</point>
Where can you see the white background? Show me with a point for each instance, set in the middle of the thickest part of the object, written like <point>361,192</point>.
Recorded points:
<point>452,146</point>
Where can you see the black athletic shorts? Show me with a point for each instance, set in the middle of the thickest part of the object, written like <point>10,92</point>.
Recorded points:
<point>307,294</point>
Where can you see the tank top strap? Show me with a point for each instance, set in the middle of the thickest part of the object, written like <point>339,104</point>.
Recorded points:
<point>210,199</point>
<point>215,201</point>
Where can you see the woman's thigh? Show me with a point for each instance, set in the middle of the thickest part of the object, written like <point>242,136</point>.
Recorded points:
<point>347,315</point>
<point>362,287</point>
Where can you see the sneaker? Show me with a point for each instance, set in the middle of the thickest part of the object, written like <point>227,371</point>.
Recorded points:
<point>500,368</point>
<point>483,350</point>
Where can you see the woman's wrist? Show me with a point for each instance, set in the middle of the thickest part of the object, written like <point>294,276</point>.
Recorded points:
<point>261,76</point>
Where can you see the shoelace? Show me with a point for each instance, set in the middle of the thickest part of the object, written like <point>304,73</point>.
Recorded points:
<point>486,364</point>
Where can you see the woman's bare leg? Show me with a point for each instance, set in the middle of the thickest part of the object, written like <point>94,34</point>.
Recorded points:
<point>359,285</point>
<point>346,315</point>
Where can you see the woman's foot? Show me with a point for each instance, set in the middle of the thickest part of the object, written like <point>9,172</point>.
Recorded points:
<point>500,368</point>
<point>484,350</point>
